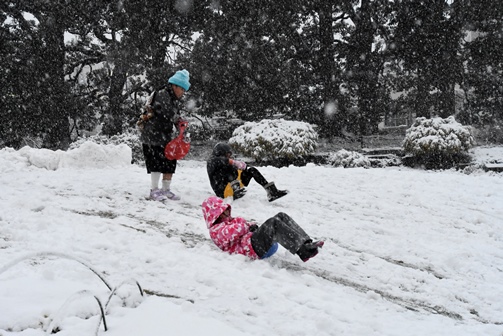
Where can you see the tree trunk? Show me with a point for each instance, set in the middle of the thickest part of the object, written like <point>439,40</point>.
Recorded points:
<point>421,107</point>
<point>327,69</point>
<point>367,72</point>
<point>115,117</point>
<point>326,51</point>
<point>57,106</point>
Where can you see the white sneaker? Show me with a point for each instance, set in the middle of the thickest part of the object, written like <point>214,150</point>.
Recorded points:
<point>169,194</point>
<point>157,195</point>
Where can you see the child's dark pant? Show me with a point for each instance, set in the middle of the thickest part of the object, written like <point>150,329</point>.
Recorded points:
<point>282,229</point>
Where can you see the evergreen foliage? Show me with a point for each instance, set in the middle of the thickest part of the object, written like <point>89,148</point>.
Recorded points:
<point>427,44</point>
<point>484,63</point>
<point>72,67</point>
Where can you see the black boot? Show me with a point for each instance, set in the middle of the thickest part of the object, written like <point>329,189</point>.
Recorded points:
<point>273,193</point>
<point>309,249</point>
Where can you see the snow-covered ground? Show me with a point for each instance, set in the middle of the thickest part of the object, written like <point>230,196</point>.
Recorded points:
<point>408,252</point>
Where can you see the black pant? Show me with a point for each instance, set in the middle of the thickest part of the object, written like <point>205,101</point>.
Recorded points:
<point>282,229</point>
<point>252,172</point>
<point>155,161</point>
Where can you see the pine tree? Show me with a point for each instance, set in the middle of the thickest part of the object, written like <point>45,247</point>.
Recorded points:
<point>484,61</point>
<point>38,99</point>
<point>427,41</point>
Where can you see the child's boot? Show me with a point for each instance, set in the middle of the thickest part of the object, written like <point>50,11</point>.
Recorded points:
<point>309,249</point>
<point>273,193</point>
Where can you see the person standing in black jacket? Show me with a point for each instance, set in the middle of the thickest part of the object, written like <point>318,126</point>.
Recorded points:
<point>157,130</point>
<point>228,177</point>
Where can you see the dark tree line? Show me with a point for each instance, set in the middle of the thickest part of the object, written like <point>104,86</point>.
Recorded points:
<point>68,66</point>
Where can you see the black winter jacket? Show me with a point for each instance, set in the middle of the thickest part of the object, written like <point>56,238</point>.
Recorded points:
<point>158,130</point>
<point>220,171</point>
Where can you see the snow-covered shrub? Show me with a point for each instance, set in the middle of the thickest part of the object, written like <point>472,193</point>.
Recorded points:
<point>437,142</point>
<point>272,139</point>
<point>389,160</point>
<point>347,159</point>
<point>129,137</point>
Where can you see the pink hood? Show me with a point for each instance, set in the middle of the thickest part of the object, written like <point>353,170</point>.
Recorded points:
<point>213,207</point>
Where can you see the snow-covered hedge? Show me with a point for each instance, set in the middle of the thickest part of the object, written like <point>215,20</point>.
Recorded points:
<point>272,139</point>
<point>348,159</point>
<point>130,138</point>
<point>437,142</point>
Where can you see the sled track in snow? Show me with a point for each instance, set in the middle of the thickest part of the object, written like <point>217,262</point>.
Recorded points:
<point>191,240</point>
<point>410,304</point>
<point>389,259</point>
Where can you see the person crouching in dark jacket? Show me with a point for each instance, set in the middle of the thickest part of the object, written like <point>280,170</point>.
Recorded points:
<point>228,177</point>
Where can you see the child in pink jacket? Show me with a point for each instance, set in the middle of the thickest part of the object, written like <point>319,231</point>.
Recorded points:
<point>236,235</point>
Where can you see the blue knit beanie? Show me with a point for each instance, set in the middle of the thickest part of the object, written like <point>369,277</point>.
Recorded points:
<point>180,78</point>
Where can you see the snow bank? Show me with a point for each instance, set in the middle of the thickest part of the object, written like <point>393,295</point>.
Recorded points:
<point>88,155</point>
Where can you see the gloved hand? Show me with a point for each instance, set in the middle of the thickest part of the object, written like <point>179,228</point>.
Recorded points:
<point>236,188</point>
<point>238,164</point>
<point>239,193</point>
<point>253,227</point>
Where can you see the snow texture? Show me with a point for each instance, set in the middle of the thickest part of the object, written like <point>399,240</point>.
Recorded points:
<point>407,252</point>
<point>274,138</point>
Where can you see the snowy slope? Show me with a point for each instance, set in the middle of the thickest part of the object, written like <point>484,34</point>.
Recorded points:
<point>408,252</point>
